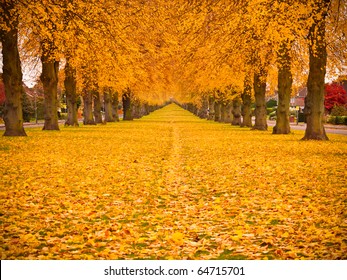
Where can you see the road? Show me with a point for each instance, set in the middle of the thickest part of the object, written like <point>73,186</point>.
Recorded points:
<point>332,129</point>
<point>27,124</point>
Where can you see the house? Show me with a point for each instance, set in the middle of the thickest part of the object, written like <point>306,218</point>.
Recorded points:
<point>342,80</point>
<point>299,99</point>
<point>295,101</point>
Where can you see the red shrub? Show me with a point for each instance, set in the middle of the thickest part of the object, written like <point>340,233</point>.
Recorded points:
<point>335,95</point>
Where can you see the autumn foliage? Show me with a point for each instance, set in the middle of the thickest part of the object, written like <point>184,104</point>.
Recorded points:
<point>194,51</point>
<point>172,186</point>
<point>335,96</point>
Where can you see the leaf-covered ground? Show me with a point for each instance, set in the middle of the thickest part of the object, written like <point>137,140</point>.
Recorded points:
<point>172,186</point>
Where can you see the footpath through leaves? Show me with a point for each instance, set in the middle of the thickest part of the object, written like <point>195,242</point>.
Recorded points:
<point>172,186</point>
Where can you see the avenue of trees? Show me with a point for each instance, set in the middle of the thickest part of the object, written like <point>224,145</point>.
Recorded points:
<point>216,56</point>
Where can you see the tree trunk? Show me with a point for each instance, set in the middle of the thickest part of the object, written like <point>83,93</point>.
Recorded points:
<point>12,74</point>
<point>108,106</point>
<point>136,109</point>
<point>115,102</point>
<point>216,111</point>
<point>228,109</point>
<point>202,110</point>
<point>191,108</point>
<point>314,101</point>
<point>211,112</point>
<point>146,109</point>
<point>223,112</point>
<point>97,107</point>
<point>142,109</point>
<point>285,81</point>
<point>71,96</point>
<point>49,79</point>
<point>236,111</point>
<point>246,97</point>
<point>127,106</point>
<point>260,104</point>
<point>88,118</point>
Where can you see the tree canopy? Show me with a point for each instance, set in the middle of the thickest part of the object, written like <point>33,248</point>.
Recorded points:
<point>183,49</point>
<point>161,49</point>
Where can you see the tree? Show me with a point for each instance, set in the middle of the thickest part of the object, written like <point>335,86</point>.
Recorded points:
<point>88,118</point>
<point>236,111</point>
<point>97,106</point>
<point>246,97</point>
<point>2,96</point>
<point>115,104</point>
<point>49,79</point>
<point>108,105</point>
<point>70,84</point>
<point>2,91</point>
<point>12,71</point>
<point>127,105</point>
<point>259,85</point>
<point>217,110</point>
<point>211,111</point>
<point>285,81</point>
<point>314,101</point>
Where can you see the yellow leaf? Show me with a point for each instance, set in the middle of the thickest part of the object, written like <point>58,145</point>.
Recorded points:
<point>177,238</point>
<point>235,238</point>
<point>141,240</point>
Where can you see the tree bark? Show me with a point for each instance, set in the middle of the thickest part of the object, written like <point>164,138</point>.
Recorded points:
<point>216,111</point>
<point>146,109</point>
<point>71,95</point>
<point>97,107</point>
<point>314,101</point>
<point>228,109</point>
<point>236,111</point>
<point>115,102</point>
<point>285,82</point>
<point>127,106</point>
<point>202,110</point>
<point>88,118</point>
<point>260,104</point>
<point>211,112</point>
<point>108,106</point>
<point>142,109</point>
<point>223,112</point>
<point>136,108</point>
<point>246,97</point>
<point>12,73</point>
<point>49,79</point>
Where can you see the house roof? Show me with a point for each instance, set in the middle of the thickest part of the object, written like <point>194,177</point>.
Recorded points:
<point>302,92</point>
<point>297,101</point>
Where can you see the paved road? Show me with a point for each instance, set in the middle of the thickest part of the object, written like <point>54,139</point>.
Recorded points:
<point>27,124</point>
<point>333,129</point>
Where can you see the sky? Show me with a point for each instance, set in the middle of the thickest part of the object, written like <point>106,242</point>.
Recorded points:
<point>31,71</point>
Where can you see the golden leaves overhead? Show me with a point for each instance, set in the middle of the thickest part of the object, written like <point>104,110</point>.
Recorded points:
<point>164,48</point>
